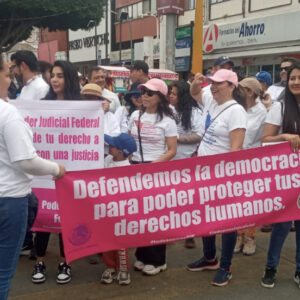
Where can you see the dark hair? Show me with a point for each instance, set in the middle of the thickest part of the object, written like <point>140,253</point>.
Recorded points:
<point>27,57</point>
<point>191,75</point>
<point>185,103</point>
<point>239,94</point>
<point>44,66</point>
<point>94,69</point>
<point>289,59</point>
<point>72,87</point>
<point>140,65</point>
<point>1,62</point>
<point>291,114</point>
<point>163,108</point>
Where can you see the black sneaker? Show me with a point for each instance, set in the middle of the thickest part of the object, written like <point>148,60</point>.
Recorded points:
<point>63,273</point>
<point>203,264</point>
<point>222,277</point>
<point>39,273</point>
<point>297,278</point>
<point>268,281</point>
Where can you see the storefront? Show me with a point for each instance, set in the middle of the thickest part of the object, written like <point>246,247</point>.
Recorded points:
<point>254,44</point>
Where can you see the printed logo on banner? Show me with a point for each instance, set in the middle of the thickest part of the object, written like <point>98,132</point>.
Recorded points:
<point>298,202</point>
<point>79,235</point>
<point>210,38</point>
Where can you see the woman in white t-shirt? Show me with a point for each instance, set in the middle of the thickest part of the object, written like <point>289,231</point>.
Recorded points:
<point>154,130</point>
<point>134,102</point>
<point>256,115</point>
<point>223,130</point>
<point>283,124</point>
<point>18,159</point>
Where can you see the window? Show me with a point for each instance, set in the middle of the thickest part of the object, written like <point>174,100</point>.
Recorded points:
<point>146,6</point>
<point>140,9</point>
<point>217,1</point>
<point>192,4</point>
<point>134,11</point>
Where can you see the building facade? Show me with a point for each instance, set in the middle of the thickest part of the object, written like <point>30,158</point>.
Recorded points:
<point>255,34</point>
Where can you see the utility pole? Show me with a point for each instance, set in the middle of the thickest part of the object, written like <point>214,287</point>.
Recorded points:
<point>197,64</point>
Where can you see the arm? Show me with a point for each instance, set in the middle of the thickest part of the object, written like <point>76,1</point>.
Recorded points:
<point>39,166</point>
<point>195,89</point>
<point>270,135</point>
<point>237,137</point>
<point>172,149</point>
<point>191,138</point>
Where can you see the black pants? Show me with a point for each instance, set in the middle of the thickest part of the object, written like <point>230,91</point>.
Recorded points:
<point>152,255</point>
<point>32,212</point>
<point>41,243</point>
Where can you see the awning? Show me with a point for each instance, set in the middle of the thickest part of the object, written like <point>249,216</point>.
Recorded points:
<point>116,72</point>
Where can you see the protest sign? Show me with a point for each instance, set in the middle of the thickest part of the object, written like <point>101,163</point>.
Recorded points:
<point>69,132</point>
<point>157,203</point>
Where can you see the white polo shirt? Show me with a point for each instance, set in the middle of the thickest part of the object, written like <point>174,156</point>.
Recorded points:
<point>115,102</point>
<point>36,88</point>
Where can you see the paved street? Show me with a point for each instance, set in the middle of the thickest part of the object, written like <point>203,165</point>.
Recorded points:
<point>176,283</point>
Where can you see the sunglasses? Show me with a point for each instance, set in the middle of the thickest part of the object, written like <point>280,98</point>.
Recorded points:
<point>149,93</point>
<point>136,96</point>
<point>284,69</point>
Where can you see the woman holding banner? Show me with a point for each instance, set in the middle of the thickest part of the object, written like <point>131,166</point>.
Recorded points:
<point>64,85</point>
<point>283,124</point>
<point>256,115</point>
<point>188,115</point>
<point>18,158</point>
<point>223,130</point>
<point>154,130</point>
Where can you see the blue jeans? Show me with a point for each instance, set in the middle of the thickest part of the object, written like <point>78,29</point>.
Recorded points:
<point>13,220</point>
<point>228,244</point>
<point>32,212</point>
<point>278,236</point>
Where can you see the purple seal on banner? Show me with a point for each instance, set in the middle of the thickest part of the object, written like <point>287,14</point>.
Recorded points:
<point>79,235</point>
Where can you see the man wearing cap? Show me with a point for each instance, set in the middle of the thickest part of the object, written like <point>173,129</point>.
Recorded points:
<point>139,72</point>
<point>97,76</point>
<point>223,62</point>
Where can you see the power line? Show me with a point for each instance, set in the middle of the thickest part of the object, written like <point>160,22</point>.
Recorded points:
<point>48,16</point>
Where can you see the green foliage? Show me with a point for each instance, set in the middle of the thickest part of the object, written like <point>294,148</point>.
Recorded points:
<point>18,17</point>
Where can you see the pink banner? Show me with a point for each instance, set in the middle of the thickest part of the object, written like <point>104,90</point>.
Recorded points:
<point>158,203</point>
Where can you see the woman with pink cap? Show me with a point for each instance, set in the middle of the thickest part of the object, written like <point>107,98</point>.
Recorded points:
<point>155,132</point>
<point>223,130</point>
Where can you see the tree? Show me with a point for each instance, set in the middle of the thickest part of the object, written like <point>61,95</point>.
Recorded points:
<point>18,17</point>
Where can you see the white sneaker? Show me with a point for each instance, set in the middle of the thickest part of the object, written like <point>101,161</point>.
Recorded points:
<point>152,270</point>
<point>123,278</point>
<point>249,246</point>
<point>138,265</point>
<point>108,275</point>
<point>239,244</point>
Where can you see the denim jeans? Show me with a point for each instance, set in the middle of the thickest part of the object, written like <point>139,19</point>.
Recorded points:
<point>13,220</point>
<point>32,211</point>
<point>278,236</point>
<point>228,244</point>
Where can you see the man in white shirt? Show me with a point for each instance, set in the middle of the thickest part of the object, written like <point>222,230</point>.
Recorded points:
<point>25,65</point>
<point>97,76</point>
<point>139,72</point>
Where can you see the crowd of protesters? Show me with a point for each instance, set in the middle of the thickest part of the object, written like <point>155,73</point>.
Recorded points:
<point>206,115</point>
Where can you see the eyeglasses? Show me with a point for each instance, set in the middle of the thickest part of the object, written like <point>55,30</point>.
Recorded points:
<point>284,69</point>
<point>136,96</point>
<point>149,93</point>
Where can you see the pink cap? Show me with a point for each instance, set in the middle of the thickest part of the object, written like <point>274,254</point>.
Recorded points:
<point>156,85</point>
<point>225,75</point>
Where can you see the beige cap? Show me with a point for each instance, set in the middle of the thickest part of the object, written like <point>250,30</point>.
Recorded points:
<point>252,84</point>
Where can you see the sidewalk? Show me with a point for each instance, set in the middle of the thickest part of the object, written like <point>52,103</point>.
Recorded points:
<point>176,283</point>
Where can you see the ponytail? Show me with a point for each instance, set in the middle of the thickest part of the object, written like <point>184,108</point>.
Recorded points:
<point>239,94</point>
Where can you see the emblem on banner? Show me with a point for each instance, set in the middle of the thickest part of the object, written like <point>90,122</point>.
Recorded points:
<point>298,202</point>
<point>79,235</point>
